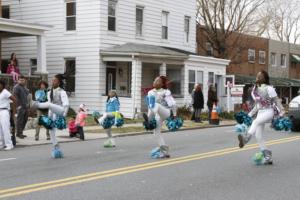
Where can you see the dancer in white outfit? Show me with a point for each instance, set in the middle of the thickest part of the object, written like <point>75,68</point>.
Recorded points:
<point>58,104</point>
<point>162,107</point>
<point>5,99</point>
<point>267,106</point>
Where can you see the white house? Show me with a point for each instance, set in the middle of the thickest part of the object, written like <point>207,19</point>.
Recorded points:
<point>116,44</point>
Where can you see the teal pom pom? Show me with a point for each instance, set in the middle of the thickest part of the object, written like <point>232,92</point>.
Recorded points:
<point>282,124</point>
<point>243,118</point>
<point>156,153</point>
<point>108,122</point>
<point>240,128</point>
<point>57,153</point>
<point>119,122</point>
<point>258,158</point>
<point>60,123</point>
<point>174,124</point>
<point>96,114</point>
<point>40,96</point>
<point>46,122</point>
<point>151,125</point>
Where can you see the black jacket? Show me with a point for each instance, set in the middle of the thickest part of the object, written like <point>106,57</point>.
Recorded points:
<point>198,99</point>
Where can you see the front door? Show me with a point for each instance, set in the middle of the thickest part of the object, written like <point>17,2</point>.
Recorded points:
<point>110,79</point>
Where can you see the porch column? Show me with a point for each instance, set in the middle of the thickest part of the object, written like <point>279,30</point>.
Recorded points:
<point>163,69</point>
<point>41,54</point>
<point>136,85</point>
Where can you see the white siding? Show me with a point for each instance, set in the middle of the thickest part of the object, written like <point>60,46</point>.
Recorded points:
<point>82,44</point>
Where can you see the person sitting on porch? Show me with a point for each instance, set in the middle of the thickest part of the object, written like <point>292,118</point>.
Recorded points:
<point>12,68</point>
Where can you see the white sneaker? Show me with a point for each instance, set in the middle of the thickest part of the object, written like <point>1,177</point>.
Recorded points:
<point>8,148</point>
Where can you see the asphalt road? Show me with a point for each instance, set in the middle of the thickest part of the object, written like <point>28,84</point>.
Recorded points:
<point>205,164</point>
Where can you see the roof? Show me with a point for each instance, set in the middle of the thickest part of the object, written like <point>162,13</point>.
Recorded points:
<point>144,49</point>
<point>12,28</point>
<point>277,82</point>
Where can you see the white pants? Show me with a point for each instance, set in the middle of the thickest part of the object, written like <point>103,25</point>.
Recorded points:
<point>106,115</point>
<point>57,109</point>
<point>54,110</point>
<point>5,137</point>
<point>160,113</point>
<point>258,125</point>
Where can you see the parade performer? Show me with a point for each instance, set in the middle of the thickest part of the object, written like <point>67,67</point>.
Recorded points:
<point>267,106</point>
<point>112,109</point>
<point>161,106</point>
<point>58,105</point>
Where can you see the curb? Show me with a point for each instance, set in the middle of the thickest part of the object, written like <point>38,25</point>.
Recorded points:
<point>132,134</point>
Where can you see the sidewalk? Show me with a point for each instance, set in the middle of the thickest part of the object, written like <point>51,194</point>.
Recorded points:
<point>97,132</point>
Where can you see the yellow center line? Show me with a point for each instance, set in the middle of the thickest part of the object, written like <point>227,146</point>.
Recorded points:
<point>125,170</point>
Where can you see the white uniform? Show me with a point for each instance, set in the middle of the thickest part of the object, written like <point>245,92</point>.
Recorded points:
<point>265,102</point>
<point>58,106</point>
<point>164,103</point>
<point>5,137</point>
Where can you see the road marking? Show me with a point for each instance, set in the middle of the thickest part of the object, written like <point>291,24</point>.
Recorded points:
<point>125,170</point>
<point>7,159</point>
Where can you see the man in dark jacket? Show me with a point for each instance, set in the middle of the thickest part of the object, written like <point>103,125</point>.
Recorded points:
<point>198,102</point>
<point>21,93</point>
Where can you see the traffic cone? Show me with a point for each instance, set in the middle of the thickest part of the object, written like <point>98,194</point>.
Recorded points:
<point>214,117</point>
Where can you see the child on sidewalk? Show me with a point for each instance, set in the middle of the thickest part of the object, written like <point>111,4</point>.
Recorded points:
<point>163,107</point>
<point>112,105</point>
<point>72,127</point>
<point>80,120</point>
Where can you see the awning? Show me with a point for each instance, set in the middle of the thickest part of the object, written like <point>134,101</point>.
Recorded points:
<point>277,82</point>
<point>295,58</point>
<point>16,28</point>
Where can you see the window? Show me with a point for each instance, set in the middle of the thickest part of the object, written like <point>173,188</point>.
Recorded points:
<point>139,20</point>
<point>187,27</point>
<point>5,12</point>
<point>175,74</point>
<point>33,65</point>
<point>211,78</point>
<point>209,49</point>
<point>262,57</point>
<point>164,25</point>
<point>70,15</point>
<point>283,60</point>
<point>251,55</point>
<point>273,59</point>
<point>70,72</point>
<point>195,77</point>
<point>112,15</point>
<point>192,80</point>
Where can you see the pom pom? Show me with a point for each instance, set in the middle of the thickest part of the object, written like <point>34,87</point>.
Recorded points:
<point>150,125</point>
<point>46,122</point>
<point>57,153</point>
<point>174,124</point>
<point>108,122</point>
<point>282,124</point>
<point>40,96</point>
<point>60,123</point>
<point>119,122</point>
<point>258,158</point>
<point>119,119</point>
<point>240,128</point>
<point>243,118</point>
<point>96,114</point>
<point>156,153</point>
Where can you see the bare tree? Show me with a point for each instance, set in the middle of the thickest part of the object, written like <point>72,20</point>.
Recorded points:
<point>223,18</point>
<point>284,20</point>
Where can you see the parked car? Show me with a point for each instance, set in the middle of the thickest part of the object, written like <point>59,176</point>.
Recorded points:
<point>294,113</point>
